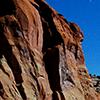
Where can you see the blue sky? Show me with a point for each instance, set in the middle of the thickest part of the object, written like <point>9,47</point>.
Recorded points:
<point>86,13</point>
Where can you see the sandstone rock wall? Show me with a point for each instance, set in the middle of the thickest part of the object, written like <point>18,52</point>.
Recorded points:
<point>96,82</point>
<point>41,56</point>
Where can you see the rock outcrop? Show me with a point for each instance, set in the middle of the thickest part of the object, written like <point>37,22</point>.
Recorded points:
<point>96,82</point>
<point>41,56</point>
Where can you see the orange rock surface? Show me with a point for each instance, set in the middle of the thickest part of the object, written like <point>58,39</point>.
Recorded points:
<point>41,56</point>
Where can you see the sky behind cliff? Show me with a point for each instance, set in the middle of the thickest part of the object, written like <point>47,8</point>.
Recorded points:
<point>86,13</point>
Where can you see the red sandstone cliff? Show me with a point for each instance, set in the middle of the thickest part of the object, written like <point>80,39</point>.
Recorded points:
<point>40,54</point>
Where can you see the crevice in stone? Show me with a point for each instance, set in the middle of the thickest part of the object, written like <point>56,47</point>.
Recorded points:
<point>52,37</point>
<point>35,78</point>
<point>33,4</point>
<point>72,27</point>
<point>21,90</point>
<point>33,63</point>
<point>11,92</point>
<point>51,59</point>
<point>6,50</point>
<point>7,7</point>
<point>1,67</point>
<point>62,95</point>
<point>55,96</point>
<point>1,90</point>
<point>63,18</point>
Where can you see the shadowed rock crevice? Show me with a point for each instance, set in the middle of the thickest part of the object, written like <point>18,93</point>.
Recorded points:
<point>7,7</point>
<point>6,50</point>
<point>51,38</point>
<point>51,59</point>
<point>1,90</point>
<point>50,32</point>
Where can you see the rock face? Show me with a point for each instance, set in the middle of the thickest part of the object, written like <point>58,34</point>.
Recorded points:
<point>96,82</point>
<point>40,54</point>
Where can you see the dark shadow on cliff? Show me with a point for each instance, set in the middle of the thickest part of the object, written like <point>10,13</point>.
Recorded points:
<point>6,51</point>
<point>51,38</point>
<point>7,7</point>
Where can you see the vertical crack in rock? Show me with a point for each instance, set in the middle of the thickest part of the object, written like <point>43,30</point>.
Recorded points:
<point>51,39</point>
<point>51,60</point>
<point>6,50</point>
<point>52,34</point>
<point>51,53</point>
<point>1,90</point>
<point>7,7</point>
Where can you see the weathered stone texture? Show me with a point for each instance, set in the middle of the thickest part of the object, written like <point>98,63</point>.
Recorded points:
<point>41,56</point>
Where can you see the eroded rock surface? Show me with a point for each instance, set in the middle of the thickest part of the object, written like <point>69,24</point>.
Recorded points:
<point>41,56</point>
<point>96,82</point>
